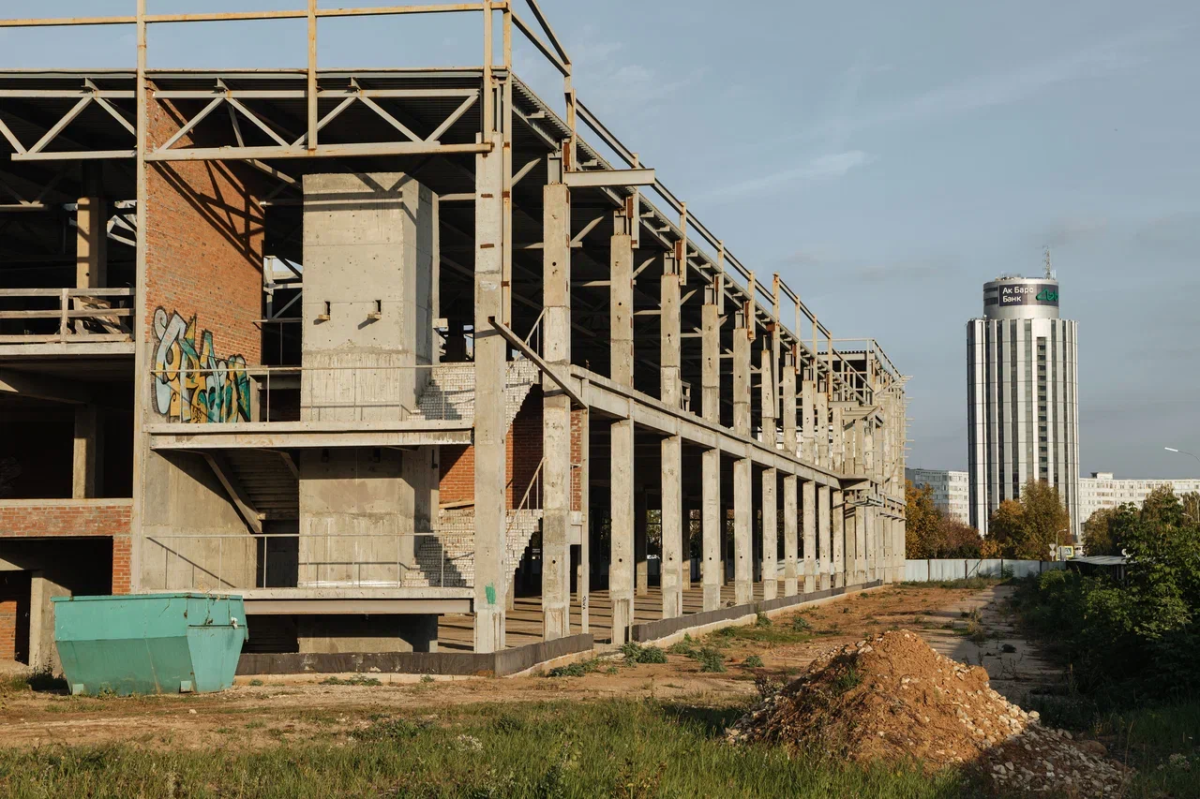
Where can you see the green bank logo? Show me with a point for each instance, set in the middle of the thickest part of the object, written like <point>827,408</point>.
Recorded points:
<point>1047,295</point>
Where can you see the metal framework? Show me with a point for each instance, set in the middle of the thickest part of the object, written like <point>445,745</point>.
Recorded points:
<point>255,134</point>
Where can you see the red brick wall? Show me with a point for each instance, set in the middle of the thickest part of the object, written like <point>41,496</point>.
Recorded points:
<point>8,627</point>
<point>41,518</point>
<point>14,601</point>
<point>121,561</point>
<point>457,474</point>
<point>523,454</point>
<point>203,246</point>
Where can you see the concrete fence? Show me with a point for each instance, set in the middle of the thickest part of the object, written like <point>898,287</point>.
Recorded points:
<point>937,569</point>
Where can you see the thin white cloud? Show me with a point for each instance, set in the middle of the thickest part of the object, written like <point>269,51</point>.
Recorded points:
<point>823,167</point>
<point>989,90</point>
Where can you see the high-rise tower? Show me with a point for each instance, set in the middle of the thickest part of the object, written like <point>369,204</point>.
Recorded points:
<point>1022,405</point>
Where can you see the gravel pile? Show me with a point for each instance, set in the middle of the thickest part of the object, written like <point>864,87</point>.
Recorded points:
<point>893,698</point>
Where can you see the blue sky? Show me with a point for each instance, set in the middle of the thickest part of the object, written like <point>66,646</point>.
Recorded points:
<point>886,158</point>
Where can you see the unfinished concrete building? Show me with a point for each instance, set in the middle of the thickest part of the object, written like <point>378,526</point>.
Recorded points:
<point>411,360</point>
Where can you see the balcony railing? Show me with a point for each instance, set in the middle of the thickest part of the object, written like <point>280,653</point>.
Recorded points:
<point>242,561</point>
<point>233,392</point>
<point>91,315</point>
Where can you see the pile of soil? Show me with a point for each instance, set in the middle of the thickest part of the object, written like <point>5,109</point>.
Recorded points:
<point>893,698</point>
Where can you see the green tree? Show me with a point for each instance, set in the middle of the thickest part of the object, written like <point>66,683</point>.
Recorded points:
<point>1098,533</point>
<point>959,540</point>
<point>1027,528</point>
<point>922,523</point>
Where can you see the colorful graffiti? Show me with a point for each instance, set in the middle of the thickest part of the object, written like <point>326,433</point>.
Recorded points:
<point>191,384</point>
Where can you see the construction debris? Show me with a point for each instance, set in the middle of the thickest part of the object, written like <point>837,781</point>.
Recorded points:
<point>893,698</point>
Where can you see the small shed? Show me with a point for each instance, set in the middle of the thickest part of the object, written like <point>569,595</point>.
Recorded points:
<point>1096,565</point>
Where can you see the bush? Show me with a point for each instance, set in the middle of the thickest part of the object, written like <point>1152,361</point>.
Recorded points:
<point>711,660</point>
<point>635,653</point>
<point>753,662</point>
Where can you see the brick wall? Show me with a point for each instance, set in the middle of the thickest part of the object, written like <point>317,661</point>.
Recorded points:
<point>64,517</point>
<point>121,561</point>
<point>204,243</point>
<point>14,604</point>
<point>523,454</point>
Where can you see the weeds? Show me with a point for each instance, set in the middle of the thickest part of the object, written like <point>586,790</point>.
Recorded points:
<point>578,669</point>
<point>711,660</point>
<point>357,679</point>
<point>636,653</point>
<point>753,662</point>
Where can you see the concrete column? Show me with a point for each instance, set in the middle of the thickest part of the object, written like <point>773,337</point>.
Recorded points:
<point>672,527</point>
<point>492,573</point>
<point>91,240</point>
<point>672,446</point>
<point>808,415</point>
<point>620,569</point>
<point>743,509</point>
<point>770,517</point>
<point>741,379</point>
<point>822,429</point>
<point>43,654</point>
<point>91,246</point>
<point>711,523</point>
<point>621,485</point>
<point>790,542</point>
<point>809,498</point>
<point>556,413</point>
<point>621,304</point>
<point>743,536</point>
<point>837,512</point>
<point>788,391</point>
<point>640,548</point>
<point>823,528</point>
<point>871,520</point>
<point>860,544</point>
<point>86,480</point>
<point>838,452</point>
<point>711,571</point>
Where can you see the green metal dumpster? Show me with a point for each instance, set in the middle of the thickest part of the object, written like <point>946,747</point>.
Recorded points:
<point>149,643</point>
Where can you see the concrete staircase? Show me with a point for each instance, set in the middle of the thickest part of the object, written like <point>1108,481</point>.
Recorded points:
<point>267,482</point>
<point>450,394</point>
<point>446,558</point>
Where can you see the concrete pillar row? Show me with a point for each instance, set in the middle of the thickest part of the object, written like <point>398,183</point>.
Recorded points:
<point>809,503</point>
<point>556,413</point>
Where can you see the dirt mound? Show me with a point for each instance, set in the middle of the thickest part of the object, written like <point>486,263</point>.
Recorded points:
<point>893,698</point>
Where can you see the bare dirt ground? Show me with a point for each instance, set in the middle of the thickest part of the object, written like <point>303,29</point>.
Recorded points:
<point>260,713</point>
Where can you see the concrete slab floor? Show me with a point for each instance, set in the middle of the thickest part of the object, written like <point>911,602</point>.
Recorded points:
<point>524,622</point>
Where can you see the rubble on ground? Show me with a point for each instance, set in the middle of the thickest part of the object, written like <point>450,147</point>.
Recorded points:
<point>893,698</point>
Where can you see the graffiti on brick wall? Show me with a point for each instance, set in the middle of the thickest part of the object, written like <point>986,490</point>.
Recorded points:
<point>191,383</point>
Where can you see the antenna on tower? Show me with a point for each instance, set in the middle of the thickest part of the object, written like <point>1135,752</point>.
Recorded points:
<point>1049,271</point>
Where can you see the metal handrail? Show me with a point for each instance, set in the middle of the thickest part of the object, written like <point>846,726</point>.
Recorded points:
<point>219,577</point>
<point>524,505</point>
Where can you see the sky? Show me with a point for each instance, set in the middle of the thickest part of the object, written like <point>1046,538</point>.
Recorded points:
<point>885,158</point>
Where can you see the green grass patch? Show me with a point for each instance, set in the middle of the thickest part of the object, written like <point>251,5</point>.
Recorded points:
<point>357,679</point>
<point>636,653</point>
<point>32,681</point>
<point>560,749</point>
<point>753,662</point>
<point>577,669</point>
